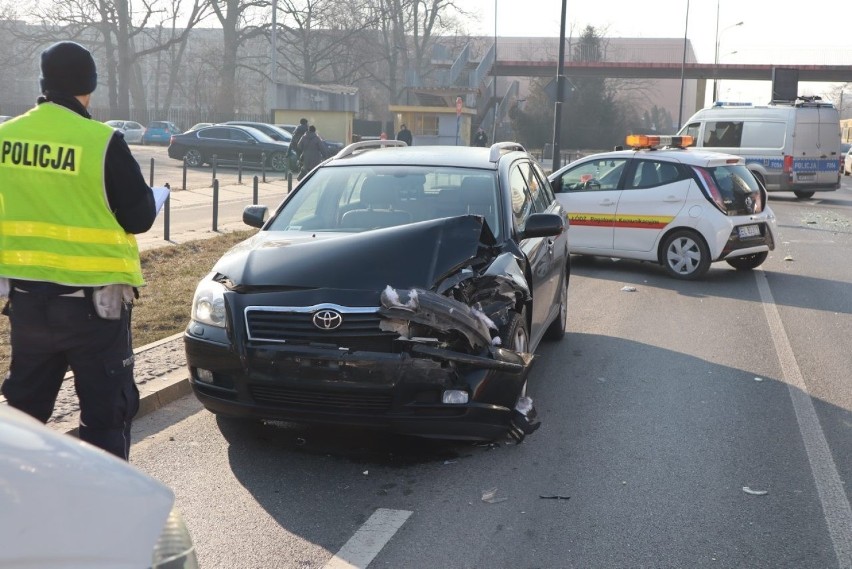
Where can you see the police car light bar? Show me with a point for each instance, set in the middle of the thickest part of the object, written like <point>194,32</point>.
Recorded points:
<point>655,141</point>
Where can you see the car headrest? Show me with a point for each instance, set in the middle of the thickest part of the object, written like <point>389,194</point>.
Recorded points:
<point>379,191</point>
<point>477,190</point>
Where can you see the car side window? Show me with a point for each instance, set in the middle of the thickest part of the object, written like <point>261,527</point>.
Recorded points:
<point>594,175</point>
<point>217,133</point>
<point>548,196</point>
<point>522,203</point>
<point>652,173</point>
<point>535,187</point>
<point>237,134</point>
<point>692,130</point>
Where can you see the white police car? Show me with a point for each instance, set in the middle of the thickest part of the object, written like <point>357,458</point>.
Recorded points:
<point>663,202</point>
<point>65,504</point>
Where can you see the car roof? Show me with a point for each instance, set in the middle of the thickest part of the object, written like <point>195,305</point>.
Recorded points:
<point>370,153</point>
<point>691,156</point>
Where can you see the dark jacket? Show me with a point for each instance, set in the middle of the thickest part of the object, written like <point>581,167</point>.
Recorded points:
<point>130,198</point>
<point>297,136</point>
<point>480,138</point>
<point>313,150</point>
<point>405,136</point>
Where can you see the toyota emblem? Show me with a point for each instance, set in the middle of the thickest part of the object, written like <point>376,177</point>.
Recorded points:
<point>328,319</point>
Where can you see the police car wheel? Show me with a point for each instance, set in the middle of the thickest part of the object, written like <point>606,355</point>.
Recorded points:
<point>747,262</point>
<point>685,255</point>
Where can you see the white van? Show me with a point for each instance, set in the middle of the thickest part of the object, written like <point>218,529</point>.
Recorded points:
<point>790,147</point>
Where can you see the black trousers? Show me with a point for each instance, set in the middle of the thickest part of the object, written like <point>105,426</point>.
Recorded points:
<point>49,334</point>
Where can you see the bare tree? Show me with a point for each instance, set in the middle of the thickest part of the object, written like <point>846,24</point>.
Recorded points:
<point>114,25</point>
<point>323,40</point>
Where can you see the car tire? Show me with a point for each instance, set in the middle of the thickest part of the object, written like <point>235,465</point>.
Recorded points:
<point>556,330</point>
<point>517,338</point>
<point>193,158</point>
<point>685,255</point>
<point>804,195</point>
<point>747,262</point>
<point>278,162</point>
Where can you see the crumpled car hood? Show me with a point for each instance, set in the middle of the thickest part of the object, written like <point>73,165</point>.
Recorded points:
<point>417,255</point>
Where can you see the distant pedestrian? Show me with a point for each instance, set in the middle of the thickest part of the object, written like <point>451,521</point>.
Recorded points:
<point>298,133</point>
<point>404,135</point>
<point>383,136</point>
<point>313,150</point>
<point>480,138</point>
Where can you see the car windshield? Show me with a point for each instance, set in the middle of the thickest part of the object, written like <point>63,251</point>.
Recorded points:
<point>359,198</point>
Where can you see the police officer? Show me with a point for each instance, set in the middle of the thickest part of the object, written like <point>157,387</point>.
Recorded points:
<point>71,198</point>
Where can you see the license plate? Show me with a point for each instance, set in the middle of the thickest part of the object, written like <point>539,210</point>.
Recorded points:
<point>746,231</point>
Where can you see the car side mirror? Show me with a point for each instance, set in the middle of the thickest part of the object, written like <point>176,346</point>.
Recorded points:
<point>255,215</point>
<point>543,225</point>
<point>556,184</point>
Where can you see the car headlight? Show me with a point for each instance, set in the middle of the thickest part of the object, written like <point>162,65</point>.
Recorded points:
<point>174,549</point>
<point>208,304</point>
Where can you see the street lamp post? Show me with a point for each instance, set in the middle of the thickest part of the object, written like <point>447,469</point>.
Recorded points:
<point>494,67</point>
<point>683,69</point>
<point>716,56</point>
<point>560,93</point>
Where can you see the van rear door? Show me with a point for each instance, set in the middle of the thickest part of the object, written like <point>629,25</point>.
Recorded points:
<point>815,146</point>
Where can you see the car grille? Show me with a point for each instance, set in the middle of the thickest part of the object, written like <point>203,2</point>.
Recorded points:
<point>318,400</point>
<point>359,331</point>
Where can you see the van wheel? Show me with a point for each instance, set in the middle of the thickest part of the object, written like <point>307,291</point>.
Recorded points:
<point>685,255</point>
<point>804,195</point>
<point>747,262</point>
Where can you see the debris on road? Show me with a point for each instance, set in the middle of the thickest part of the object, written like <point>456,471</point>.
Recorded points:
<point>554,497</point>
<point>748,490</point>
<point>628,289</point>
<point>490,496</point>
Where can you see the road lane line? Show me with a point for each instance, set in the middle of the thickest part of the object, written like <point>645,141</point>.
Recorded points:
<point>368,541</point>
<point>835,505</point>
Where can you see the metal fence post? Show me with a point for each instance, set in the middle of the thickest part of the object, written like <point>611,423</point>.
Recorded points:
<point>254,191</point>
<point>167,216</point>
<point>151,179</point>
<point>240,169</point>
<point>213,164</point>
<point>289,182</point>
<point>263,165</point>
<point>215,204</point>
<point>183,187</point>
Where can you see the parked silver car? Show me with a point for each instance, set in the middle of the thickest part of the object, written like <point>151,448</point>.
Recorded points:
<point>132,130</point>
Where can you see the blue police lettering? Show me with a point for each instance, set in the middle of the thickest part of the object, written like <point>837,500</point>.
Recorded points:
<point>35,155</point>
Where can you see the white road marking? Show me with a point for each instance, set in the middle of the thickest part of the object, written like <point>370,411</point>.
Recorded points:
<point>835,505</point>
<point>368,541</point>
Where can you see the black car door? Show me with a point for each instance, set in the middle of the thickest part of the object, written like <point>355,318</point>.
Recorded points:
<point>245,144</point>
<point>538,250</point>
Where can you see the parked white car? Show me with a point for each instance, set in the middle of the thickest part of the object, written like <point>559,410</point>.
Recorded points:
<point>661,201</point>
<point>65,504</point>
<point>132,130</point>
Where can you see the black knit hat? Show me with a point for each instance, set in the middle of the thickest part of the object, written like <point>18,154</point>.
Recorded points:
<point>68,67</point>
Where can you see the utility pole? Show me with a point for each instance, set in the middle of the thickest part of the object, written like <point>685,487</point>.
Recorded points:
<point>560,93</point>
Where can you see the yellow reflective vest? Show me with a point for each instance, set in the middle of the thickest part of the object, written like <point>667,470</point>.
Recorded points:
<point>55,221</point>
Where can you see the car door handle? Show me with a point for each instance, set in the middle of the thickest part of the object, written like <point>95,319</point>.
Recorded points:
<point>672,199</point>
<point>606,202</point>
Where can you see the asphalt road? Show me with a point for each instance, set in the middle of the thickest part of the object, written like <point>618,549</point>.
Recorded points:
<point>663,409</point>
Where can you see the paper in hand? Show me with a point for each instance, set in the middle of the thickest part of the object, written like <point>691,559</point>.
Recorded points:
<point>161,194</point>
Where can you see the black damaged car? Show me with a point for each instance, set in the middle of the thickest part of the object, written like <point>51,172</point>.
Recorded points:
<point>401,288</point>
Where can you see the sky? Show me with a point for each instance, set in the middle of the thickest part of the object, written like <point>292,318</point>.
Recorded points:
<point>771,31</point>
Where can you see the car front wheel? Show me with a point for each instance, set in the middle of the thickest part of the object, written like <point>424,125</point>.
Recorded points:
<point>557,328</point>
<point>278,162</point>
<point>193,158</point>
<point>517,338</point>
<point>685,255</point>
<point>747,262</point>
